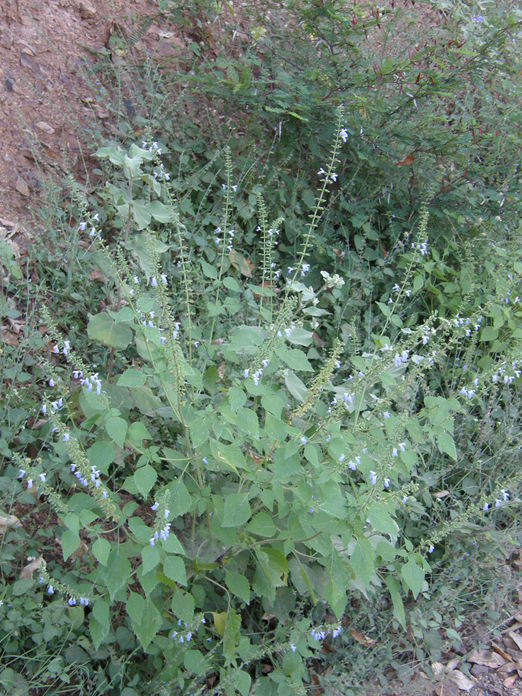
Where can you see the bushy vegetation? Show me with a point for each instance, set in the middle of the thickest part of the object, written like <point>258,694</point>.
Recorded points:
<point>266,395</point>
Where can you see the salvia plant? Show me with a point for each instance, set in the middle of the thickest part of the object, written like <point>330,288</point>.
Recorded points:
<point>223,482</point>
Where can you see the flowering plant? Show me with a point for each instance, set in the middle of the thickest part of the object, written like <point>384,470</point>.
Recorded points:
<point>214,470</point>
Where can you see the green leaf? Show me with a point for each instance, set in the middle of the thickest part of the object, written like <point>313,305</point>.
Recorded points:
<point>145,478</point>
<point>117,573</point>
<point>183,605</point>
<point>145,618</point>
<point>362,561</point>
<point>232,634</point>
<point>132,378</point>
<point>413,576</point>
<point>181,500</point>
<point>231,284</point>
<point>299,337</point>
<point>105,330</point>
<point>295,386</point>
<point>150,556</point>
<point>295,359</point>
<point>489,333</point>
<point>398,606</point>
<point>236,510</point>
<point>135,607</point>
<point>141,212</point>
<point>382,521</point>
<point>97,631</point>
<point>174,568</point>
<point>194,662</point>
<point>173,545</point>
<point>161,212</point>
<point>238,585</point>
<point>116,428</point>
<point>262,524</point>
<point>208,270</point>
<point>70,543</point>
<point>101,550</point>
<point>446,444</point>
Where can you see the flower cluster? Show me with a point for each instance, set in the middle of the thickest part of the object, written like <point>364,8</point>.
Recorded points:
<point>334,281</point>
<point>229,242</point>
<point>162,526</point>
<point>421,247</point>
<point>401,358</point>
<point>153,148</point>
<point>162,174</point>
<point>324,176</point>
<point>257,374</point>
<point>187,633</point>
<point>320,634</point>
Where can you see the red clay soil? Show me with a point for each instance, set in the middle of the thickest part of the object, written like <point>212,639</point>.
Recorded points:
<point>45,99</point>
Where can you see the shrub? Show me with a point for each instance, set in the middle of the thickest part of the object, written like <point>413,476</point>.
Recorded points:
<point>223,479</point>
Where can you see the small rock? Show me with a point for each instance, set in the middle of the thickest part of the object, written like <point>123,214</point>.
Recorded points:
<point>479,670</point>
<point>22,187</point>
<point>87,11</point>
<point>45,127</point>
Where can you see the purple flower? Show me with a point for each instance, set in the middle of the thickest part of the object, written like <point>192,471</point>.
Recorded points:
<point>478,19</point>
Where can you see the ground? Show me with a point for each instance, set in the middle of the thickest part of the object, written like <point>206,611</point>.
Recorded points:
<point>46,104</point>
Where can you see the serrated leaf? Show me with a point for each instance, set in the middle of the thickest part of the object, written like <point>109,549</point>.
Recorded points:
<point>141,213</point>
<point>362,561</point>
<point>174,568</point>
<point>382,521</point>
<point>236,510</point>
<point>117,573</point>
<point>132,378</point>
<point>101,550</point>
<point>105,330</point>
<point>446,444</point>
<point>150,557</point>
<point>295,359</point>
<point>145,478</point>
<point>262,524</point>
<point>296,386</point>
<point>413,576</point>
<point>398,606</point>
<point>161,212</point>
<point>70,543</point>
<point>232,634</point>
<point>116,428</point>
<point>238,585</point>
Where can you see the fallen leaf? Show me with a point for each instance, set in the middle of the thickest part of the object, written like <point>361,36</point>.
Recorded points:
<point>362,639</point>
<point>10,339</point>
<point>8,521</point>
<point>516,638</point>
<point>221,371</point>
<point>32,567</point>
<point>97,275</point>
<point>486,658</point>
<point>463,682</point>
<point>406,162</point>
<point>319,343</point>
<point>441,494</point>
<point>510,667</point>
<point>437,668</point>
<point>501,652</point>
<point>243,265</point>
<point>21,186</point>
<point>510,682</point>
<point>45,127</point>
